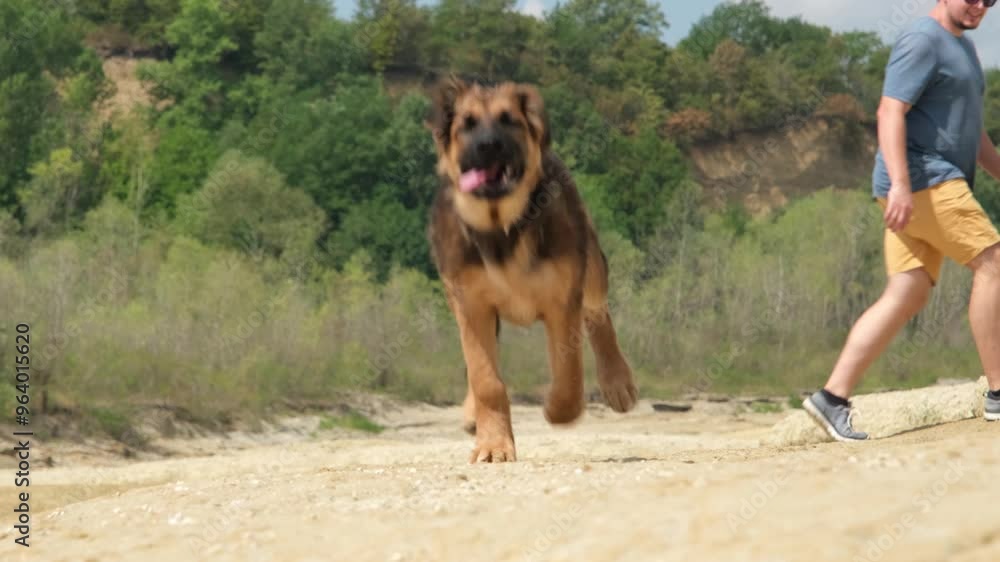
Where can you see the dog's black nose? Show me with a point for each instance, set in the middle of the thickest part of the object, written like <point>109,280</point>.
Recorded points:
<point>489,145</point>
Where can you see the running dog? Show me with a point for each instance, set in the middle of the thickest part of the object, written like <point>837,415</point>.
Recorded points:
<point>512,240</point>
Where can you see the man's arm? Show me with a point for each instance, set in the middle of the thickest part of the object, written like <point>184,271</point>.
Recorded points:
<point>988,157</point>
<point>892,142</point>
<point>912,68</point>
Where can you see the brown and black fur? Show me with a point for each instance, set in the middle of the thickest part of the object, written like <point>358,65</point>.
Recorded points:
<point>524,252</point>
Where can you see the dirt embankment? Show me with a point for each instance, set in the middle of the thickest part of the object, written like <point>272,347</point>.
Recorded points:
<point>767,169</point>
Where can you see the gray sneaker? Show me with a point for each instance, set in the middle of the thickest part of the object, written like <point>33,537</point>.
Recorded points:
<point>832,418</point>
<point>991,409</point>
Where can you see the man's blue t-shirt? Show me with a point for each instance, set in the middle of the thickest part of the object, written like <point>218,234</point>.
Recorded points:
<point>940,76</point>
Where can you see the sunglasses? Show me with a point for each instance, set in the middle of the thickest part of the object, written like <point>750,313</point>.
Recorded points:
<point>987,3</point>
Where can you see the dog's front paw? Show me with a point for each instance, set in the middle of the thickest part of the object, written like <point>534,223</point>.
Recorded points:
<point>493,450</point>
<point>618,386</point>
<point>494,440</point>
<point>563,409</point>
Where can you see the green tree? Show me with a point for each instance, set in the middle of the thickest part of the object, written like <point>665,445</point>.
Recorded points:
<point>300,47</point>
<point>247,19</point>
<point>181,159</point>
<point>51,200</point>
<point>38,47</point>
<point>483,37</point>
<point>646,176</point>
<point>76,121</point>
<point>581,136</point>
<point>810,52</point>
<point>22,104</point>
<point>246,205</point>
<point>611,41</point>
<point>145,21</point>
<point>391,234</point>
<point>332,148</point>
<point>392,32</point>
<point>194,81</point>
<point>742,93</point>
<point>380,24</point>
<point>862,60</point>
<point>127,161</point>
<point>748,22</point>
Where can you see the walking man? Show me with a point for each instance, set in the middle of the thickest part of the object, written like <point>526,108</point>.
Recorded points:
<point>931,137</point>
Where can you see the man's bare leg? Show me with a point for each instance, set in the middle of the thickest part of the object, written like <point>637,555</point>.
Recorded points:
<point>905,295</point>
<point>984,312</point>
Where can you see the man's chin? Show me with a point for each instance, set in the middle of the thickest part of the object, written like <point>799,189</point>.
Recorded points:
<point>969,26</point>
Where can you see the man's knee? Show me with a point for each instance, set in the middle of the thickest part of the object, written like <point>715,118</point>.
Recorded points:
<point>987,262</point>
<point>917,300</point>
<point>910,291</point>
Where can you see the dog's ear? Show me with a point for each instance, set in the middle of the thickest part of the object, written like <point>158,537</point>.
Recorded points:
<point>442,110</point>
<point>533,108</point>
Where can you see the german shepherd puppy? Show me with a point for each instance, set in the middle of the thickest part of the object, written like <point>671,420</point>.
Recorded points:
<point>511,239</point>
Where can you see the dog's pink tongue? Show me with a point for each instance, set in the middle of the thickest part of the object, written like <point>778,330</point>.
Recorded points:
<point>472,179</point>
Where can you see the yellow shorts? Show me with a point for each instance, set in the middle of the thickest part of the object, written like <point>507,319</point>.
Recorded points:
<point>947,221</point>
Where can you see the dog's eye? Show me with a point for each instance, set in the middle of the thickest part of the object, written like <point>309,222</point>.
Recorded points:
<point>506,119</point>
<point>470,122</point>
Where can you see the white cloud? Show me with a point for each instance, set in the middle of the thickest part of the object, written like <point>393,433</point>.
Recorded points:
<point>535,8</point>
<point>887,18</point>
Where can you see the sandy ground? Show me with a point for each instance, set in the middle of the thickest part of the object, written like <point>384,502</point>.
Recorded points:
<point>719,482</point>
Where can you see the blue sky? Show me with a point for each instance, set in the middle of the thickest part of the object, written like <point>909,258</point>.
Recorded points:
<point>886,17</point>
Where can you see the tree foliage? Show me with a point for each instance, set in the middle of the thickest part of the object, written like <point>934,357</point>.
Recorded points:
<point>331,111</point>
<point>245,205</point>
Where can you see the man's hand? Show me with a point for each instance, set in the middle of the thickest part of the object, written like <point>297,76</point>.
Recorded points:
<point>899,209</point>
